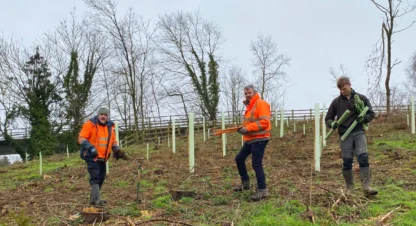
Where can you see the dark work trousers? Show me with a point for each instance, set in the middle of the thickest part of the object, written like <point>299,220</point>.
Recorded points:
<point>97,171</point>
<point>257,150</point>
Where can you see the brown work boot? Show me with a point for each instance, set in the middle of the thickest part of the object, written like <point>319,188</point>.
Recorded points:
<point>244,186</point>
<point>260,194</point>
<point>349,180</point>
<point>366,181</point>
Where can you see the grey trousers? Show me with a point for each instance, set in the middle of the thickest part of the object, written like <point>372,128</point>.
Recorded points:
<point>354,145</point>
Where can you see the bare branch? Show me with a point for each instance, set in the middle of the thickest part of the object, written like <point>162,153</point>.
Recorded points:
<point>396,62</point>
<point>380,7</point>
<point>404,28</point>
<point>269,66</point>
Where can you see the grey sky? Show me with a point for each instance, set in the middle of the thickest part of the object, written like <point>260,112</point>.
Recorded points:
<point>317,35</point>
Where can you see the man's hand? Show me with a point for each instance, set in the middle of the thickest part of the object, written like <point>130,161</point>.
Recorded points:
<point>242,130</point>
<point>94,152</point>
<point>334,125</point>
<point>360,119</point>
<point>119,154</point>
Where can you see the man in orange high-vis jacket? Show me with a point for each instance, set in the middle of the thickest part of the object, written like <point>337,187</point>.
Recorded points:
<point>98,139</point>
<point>256,134</point>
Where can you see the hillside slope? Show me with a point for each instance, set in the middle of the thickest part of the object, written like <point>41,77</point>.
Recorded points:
<point>63,190</point>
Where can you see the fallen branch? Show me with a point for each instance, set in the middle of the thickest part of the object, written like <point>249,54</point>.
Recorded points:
<point>341,198</point>
<point>387,215</point>
<point>58,217</point>
<point>161,219</point>
<point>335,193</point>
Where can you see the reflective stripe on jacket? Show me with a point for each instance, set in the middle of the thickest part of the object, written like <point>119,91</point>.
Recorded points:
<point>257,120</point>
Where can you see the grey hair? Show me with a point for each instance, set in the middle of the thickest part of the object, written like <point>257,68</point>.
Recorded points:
<point>251,86</point>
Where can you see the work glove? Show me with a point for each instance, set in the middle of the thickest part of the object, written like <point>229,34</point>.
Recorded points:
<point>334,125</point>
<point>360,119</point>
<point>242,130</point>
<point>119,154</point>
<point>94,152</point>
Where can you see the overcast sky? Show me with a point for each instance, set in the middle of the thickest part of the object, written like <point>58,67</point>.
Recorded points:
<point>317,35</point>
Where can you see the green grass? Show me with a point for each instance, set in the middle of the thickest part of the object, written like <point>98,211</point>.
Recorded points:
<point>186,200</point>
<point>126,210</point>
<point>221,200</point>
<point>273,212</point>
<point>218,206</point>
<point>162,202</point>
<point>122,184</point>
<point>397,140</point>
<point>22,173</point>
<point>159,189</point>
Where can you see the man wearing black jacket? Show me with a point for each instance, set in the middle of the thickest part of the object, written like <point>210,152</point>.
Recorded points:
<point>355,143</point>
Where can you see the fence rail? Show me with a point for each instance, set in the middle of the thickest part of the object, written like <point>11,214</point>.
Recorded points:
<point>155,127</point>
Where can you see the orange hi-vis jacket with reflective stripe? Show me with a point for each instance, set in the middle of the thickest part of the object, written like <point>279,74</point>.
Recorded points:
<point>257,120</point>
<point>95,134</point>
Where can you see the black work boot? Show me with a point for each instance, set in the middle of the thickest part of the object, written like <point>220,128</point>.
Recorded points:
<point>95,195</point>
<point>244,186</point>
<point>349,180</point>
<point>366,181</point>
<point>260,194</point>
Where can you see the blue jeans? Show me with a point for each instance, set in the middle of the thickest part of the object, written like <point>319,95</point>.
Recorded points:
<point>257,150</point>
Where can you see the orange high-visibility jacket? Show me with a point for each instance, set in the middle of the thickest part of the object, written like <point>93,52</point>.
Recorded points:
<point>95,134</point>
<point>257,120</point>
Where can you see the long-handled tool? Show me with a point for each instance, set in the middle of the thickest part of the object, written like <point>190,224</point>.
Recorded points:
<point>339,121</point>
<point>229,130</point>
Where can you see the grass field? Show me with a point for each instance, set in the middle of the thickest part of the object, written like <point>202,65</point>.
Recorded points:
<point>298,194</point>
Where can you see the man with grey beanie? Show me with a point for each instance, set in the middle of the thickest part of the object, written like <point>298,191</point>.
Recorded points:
<point>98,140</point>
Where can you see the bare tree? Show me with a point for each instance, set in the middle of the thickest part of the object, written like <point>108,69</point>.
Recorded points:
<point>398,98</point>
<point>232,88</point>
<point>269,67</point>
<point>382,52</point>
<point>132,47</point>
<point>189,45</point>
<point>335,74</point>
<point>85,48</point>
<point>410,84</point>
<point>6,102</point>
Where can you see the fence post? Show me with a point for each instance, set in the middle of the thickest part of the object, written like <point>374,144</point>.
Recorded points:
<point>323,125</point>
<point>282,121</point>
<point>173,136</point>
<point>147,151</point>
<point>203,128</point>
<point>40,163</point>
<point>191,144</point>
<point>224,146</point>
<point>310,114</point>
<point>275,118</point>
<point>293,115</point>
<point>317,140</point>
<point>413,114</point>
